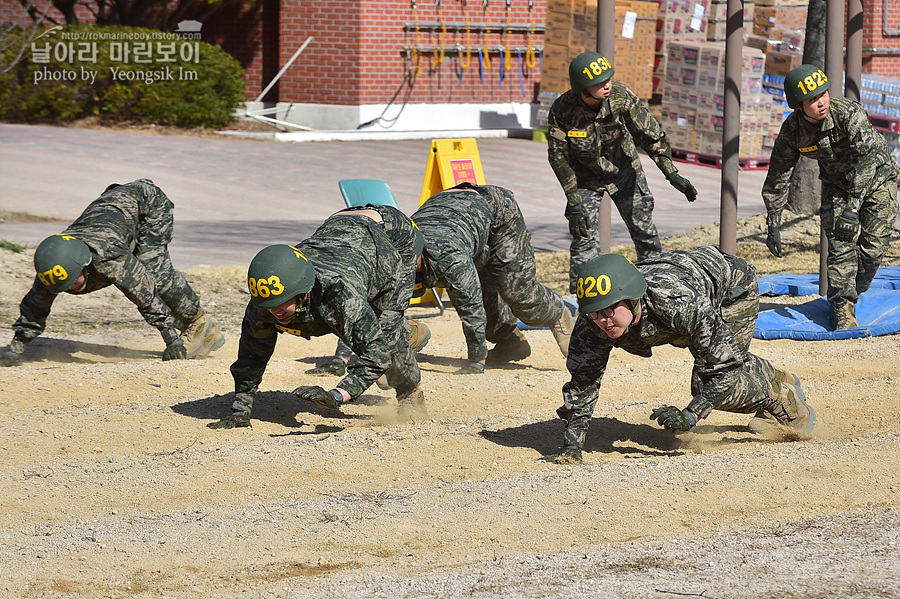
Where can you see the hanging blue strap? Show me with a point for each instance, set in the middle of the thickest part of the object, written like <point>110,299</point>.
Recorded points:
<point>481,66</point>
<point>500,62</point>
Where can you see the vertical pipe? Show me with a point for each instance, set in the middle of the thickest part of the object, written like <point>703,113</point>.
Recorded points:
<point>853,65</point>
<point>731,129</point>
<point>606,45</point>
<point>834,55</point>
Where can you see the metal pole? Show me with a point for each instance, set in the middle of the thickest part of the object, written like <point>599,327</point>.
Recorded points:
<point>284,68</point>
<point>834,60</point>
<point>606,45</point>
<point>853,65</point>
<point>731,127</point>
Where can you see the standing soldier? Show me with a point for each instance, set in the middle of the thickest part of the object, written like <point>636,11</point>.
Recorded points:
<point>478,248</point>
<point>859,185</point>
<point>595,130</point>
<point>347,279</point>
<point>703,300</point>
<point>120,239</point>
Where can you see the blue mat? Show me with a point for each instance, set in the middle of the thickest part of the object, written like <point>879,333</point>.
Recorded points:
<point>888,277</point>
<point>877,312</point>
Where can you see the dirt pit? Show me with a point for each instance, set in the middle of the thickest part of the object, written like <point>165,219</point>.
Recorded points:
<point>111,485</point>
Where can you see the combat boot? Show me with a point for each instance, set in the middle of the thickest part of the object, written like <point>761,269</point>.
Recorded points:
<point>787,408</point>
<point>562,330</point>
<point>419,336</point>
<point>412,406</point>
<point>201,336</point>
<point>512,349</point>
<point>843,317</point>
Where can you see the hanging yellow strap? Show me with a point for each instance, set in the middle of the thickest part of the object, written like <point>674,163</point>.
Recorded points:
<point>507,52</point>
<point>487,37</point>
<point>465,63</point>
<point>530,60</point>
<point>416,44</point>
<point>443,38</point>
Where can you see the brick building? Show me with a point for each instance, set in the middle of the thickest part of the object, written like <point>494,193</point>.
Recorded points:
<point>418,64</point>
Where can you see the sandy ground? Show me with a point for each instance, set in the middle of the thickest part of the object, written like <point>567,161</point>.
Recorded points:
<point>111,485</point>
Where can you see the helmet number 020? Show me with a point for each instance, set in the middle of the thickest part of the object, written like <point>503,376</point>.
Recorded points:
<point>597,67</point>
<point>592,287</point>
<point>811,83</point>
<point>52,276</point>
<point>265,287</point>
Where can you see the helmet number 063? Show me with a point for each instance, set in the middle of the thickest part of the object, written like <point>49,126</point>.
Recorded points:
<point>265,287</point>
<point>591,287</point>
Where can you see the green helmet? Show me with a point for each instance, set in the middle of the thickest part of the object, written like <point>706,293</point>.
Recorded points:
<point>606,280</point>
<point>277,274</point>
<point>805,82</point>
<point>59,260</point>
<point>589,68</point>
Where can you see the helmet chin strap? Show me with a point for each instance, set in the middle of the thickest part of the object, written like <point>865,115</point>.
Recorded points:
<point>635,308</point>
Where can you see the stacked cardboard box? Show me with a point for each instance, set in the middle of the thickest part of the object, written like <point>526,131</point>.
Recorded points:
<point>718,17</point>
<point>780,30</point>
<point>677,21</point>
<point>572,29</point>
<point>694,99</point>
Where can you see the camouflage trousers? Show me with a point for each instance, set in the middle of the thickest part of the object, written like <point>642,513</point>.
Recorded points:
<point>758,381</point>
<point>634,202</point>
<point>852,265</point>
<point>154,233</point>
<point>509,286</point>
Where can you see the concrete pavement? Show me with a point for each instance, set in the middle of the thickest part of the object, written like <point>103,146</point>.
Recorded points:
<point>234,196</point>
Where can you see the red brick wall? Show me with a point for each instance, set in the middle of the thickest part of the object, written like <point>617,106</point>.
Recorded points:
<point>881,62</point>
<point>363,50</point>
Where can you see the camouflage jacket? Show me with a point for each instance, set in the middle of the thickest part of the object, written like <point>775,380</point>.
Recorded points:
<point>358,295</point>
<point>853,157</point>
<point>109,227</point>
<point>457,226</point>
<point>595,149</point>
<point>681,307</point>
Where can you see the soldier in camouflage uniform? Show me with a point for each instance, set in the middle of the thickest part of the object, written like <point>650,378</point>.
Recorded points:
<point>703,300</point>
<point>859,185</point>
<point>594,132</point>
<point>347,279</point>
<point>478,248</point>
<point>120,239</point>
<point>417,332</point>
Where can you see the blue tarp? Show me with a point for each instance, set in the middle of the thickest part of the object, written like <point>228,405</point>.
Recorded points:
<point>877,311</point>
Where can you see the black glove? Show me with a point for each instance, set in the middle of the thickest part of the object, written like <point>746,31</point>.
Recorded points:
<point>11,355</point>
<point>773,240</point>
<point>235,420</point>
<point>334,366</point>
<point>682,185</point>
<point>568,455</point>
<point>175,351</point>
<point>674,419</point>
<point>471,368</point>
<point>319,396</point>
<point>847,226</point>
<point>578,220</point>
